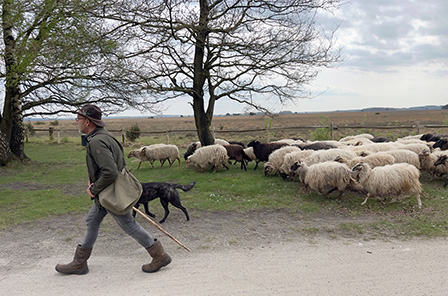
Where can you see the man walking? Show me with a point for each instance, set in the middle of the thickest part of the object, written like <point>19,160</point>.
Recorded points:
<point>105,160</point>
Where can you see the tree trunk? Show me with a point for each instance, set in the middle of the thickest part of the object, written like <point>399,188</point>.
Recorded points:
<point>5,152</point>
<point>202,119</point>
<point>11,122</point>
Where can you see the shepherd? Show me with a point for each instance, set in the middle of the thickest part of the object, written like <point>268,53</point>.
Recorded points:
<point>105,160</point>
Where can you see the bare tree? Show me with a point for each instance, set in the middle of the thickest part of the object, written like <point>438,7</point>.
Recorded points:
<point>241,50</point>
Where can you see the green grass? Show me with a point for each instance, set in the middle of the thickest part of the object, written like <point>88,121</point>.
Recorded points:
<point>54,183</point>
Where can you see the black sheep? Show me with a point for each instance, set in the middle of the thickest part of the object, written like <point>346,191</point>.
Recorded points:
<point>263,150</point>
<point>236,152</point>
<point>442,143</point>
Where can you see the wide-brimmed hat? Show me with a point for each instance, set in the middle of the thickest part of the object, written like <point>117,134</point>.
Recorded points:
<point>93,113</point>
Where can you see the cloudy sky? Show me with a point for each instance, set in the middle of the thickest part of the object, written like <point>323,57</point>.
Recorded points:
<point>395,54</point>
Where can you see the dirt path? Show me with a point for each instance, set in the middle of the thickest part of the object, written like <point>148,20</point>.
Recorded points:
<point>231,255</point>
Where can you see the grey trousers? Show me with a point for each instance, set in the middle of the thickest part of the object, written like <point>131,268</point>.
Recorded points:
<point>126,222</point>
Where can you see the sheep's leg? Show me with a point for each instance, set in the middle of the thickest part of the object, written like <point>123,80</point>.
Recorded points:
<point>256,164</point>
<point>365,201</point>
<point>419,201</point>
<point>139,165</point>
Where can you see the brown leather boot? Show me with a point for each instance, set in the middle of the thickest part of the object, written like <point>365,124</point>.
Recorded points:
<point>159,258</point>
<point>79,263</point>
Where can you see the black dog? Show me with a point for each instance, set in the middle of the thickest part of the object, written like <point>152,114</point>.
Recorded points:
<point>167,193</point>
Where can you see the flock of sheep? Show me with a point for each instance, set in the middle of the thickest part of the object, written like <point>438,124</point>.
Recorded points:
<point>361,163</point>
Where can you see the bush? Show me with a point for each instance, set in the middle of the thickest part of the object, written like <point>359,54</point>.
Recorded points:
<point>133,133</point>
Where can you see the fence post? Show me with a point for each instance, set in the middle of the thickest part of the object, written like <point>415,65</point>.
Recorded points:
<point>123,135</point>
<point>268,136</point>
<point>26,134</point>
<point>418,127</point>
<point>59,135</point>
<point>50,132</point>
<point>331,127</point>
<point>167,136</point>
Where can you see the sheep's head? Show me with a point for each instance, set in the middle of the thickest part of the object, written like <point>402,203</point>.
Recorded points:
<point>341,159</point>
<point>268,168</point>
<point>423,155</point>
<point>133,153</point>
<point>441,160</point>
<point>293,169</point>
<point>441,142</point>
<point>357,170</point>
<point>253,143</point>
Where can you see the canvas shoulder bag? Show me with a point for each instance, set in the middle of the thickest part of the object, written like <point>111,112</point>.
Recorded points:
<point>120,196</point>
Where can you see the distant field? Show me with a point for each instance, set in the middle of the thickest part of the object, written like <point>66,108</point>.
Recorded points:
<point>239,123</point>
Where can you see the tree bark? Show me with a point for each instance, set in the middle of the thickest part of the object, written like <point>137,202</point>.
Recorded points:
<point>11,123</point>
<point>5,152</point>
<point>202,120</point>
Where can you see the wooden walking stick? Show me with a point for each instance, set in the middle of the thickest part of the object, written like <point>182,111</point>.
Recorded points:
<point>161,229</point>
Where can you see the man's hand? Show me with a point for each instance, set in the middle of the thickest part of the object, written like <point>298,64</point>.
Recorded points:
<point>88,190</point>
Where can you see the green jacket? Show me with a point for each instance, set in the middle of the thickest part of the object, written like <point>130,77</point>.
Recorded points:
<point>104,159</point>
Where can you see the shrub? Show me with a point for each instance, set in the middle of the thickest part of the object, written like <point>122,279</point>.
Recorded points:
<point>133,133</point>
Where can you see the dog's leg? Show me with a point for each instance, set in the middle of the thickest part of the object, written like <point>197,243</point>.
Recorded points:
<point>165,206</point>
<point>179,206</point>
<point>147,211</point>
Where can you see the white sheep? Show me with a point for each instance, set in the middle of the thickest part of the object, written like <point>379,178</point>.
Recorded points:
<point>330,154</point>
<point>249,151</point>
<point>140,154</point>
<point>417,148</point>
<point>374,159</point>
<point>428,160</point>
<point>364,150</point>
<point>275,160</point>
<point>208,156</point>
<point>162,153</point>
<point>290,158</point>
<point>324,177</point>
<point>390,180</point>
<point>404,156</point>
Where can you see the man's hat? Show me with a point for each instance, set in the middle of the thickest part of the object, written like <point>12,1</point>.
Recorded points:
<point>93,113</point>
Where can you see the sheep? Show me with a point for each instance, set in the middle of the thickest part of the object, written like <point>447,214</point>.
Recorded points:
<point>330,154</point>
<point>191,148</point>
<point>249,151</point>
<point>427,163</point>
<point>162,153</point>
<point>212,155</point>
<point>417,148</point>
<point>442,143</point>
<point>275,160</point>
<point>395,179</point>
<point>263,150</point>
<point>360,136</point>
<point>442,165</point>
<point>140,153</point>
<point>405,156</point>
<point>374,160</point>
<point>236,152</point>
<point>290,158</point>
<point>317,146</point>
<point>375,147</point>
<point>324,177</point>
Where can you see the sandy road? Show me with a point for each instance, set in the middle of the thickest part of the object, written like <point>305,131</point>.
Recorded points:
<point>327,267</point>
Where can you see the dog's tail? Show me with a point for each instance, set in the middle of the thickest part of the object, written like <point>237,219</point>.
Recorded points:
<point>184,187</point>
